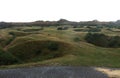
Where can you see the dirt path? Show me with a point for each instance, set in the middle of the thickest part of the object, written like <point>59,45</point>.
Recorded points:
<point>112,73</point>
<point>53,72</point>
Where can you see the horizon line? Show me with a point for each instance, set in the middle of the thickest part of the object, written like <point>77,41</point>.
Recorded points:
<point>60,19</point>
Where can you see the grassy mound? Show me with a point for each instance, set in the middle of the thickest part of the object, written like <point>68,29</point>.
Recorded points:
<point>39,50</point>
<point>53,47</point>
<point>19,40</point>
<point>19,33</point>
<point>6,58</point>
<point>32,30</point>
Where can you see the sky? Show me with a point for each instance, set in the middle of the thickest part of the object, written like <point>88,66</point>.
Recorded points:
<point>52,10</point>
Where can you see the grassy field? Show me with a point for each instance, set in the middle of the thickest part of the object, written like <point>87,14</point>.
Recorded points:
<point>74,50</point>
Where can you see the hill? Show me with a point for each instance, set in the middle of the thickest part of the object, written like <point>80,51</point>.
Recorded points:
<point>50,46</point>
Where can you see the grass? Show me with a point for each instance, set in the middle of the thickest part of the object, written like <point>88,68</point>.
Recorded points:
<point>39,50</point>
<point>78,53</point>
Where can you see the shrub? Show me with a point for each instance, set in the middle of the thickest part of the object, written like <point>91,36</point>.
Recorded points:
<point>65,28</point>
<point>62,28</point>
<point>81,30</point>
<point>97,39</point>
<point>38,52</point>
<point>76,39</point>
<point>7,58</point>
<point>103,40</point>
<point>32,30</point>
<point>59,28</point>
<point>114,41</point>
<point>94,30</point>
<point>53,46</point>
<point>78,29</point>
<point>33,49</point>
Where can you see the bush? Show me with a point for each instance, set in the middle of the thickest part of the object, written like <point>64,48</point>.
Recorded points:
<point>97,39</point>
<point>62,28</point>
<point>115,42</point>
<point>76,39</point>
<point>59,28</point>
<point>33,49</point>
<point>32,30</point>
<point>103,40</point>
<point>53,46</point>
<point>7,58</point>
<point>81,30</point>
<point>94,30</point>
<point>78,29</point>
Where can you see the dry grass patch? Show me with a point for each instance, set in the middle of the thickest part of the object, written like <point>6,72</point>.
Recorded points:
<point>112,73</point>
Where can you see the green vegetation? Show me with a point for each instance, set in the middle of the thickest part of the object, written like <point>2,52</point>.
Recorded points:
<point>94,30</point>
<point>49,46</point>
<point>76,39</point>
<point>41,49</point>
<point>53,46</point>
<point>88,29</point>
<point>33,30</point>
<point>80,30</point>
<point>103,40</point>
<point>6,58</point>
<point>11,39</point>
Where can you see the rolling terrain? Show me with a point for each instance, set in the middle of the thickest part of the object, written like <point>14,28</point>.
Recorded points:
<point>37,46</point>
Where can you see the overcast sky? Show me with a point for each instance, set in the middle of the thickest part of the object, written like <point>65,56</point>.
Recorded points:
<point>73,10</point>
